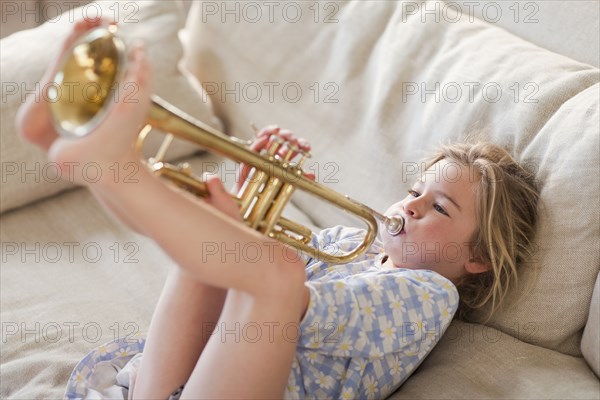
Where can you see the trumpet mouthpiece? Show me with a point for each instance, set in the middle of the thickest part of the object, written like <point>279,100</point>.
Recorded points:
<point>394,225</point>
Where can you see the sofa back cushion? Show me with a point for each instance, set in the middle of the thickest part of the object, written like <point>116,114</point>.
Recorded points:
<point>375,86</point>
<point>566,27</point>
<point>26,174</point>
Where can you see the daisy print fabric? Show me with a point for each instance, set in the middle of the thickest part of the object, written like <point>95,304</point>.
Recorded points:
<point>366,328</point>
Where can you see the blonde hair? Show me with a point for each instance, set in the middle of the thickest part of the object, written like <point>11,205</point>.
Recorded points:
<point>506,213</point>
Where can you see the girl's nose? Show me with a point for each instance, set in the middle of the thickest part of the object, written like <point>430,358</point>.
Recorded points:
<point>411,209</point>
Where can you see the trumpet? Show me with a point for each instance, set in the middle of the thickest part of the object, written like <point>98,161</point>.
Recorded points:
<point>99,57</point>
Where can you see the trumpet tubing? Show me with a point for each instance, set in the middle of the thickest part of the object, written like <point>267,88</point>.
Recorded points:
<point>271,182</point>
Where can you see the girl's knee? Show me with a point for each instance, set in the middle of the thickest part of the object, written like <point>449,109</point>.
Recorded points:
<point>280,281</point>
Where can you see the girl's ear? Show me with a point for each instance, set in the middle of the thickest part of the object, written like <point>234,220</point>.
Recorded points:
<point>476,267</point>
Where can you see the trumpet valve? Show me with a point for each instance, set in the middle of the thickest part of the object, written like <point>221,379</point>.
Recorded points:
<point>305,155</point>
<point>292,151</point>
<point>276,142</point>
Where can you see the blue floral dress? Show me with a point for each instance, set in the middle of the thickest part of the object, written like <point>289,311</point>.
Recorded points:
<point>366,329</point>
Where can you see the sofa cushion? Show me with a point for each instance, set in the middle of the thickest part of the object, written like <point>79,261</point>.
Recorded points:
<point>26,175</point>
<point>473,361</point>
<point>374,95</point>
<point>568,28</point>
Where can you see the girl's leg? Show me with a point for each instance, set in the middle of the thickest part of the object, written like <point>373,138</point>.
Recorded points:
<point>182,323</point>
<point>251,352</point>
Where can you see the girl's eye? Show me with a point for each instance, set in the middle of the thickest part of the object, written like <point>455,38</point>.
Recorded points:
<point>436,206</point>
<point>439,209</point>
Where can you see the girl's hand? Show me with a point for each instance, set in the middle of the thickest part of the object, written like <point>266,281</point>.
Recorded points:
<point>264,140</point>
<point>110,144</point>
<point>220,198</point>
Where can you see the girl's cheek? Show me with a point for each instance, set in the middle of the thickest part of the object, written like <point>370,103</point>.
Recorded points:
<point>392,208</point>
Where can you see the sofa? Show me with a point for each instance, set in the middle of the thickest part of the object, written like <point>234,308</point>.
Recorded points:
<point>375,86</point>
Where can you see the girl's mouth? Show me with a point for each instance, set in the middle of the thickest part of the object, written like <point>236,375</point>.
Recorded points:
<point>403,230</point>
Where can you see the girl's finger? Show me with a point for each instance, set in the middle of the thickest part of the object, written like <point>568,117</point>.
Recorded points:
<point>288,136</point>
<point>260,143</point>
<point>293,142</point>
<point>268,131</point>
<point>304,144</point>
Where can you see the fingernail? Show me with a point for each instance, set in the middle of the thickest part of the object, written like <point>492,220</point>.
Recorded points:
<point>303,143</point>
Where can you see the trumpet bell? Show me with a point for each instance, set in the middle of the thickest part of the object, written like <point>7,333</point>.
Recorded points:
<point>83,89</point>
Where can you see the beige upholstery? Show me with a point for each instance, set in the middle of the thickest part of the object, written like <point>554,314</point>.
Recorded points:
<point>368,129</point>
<point>565,27</point>
<point>478,362</point>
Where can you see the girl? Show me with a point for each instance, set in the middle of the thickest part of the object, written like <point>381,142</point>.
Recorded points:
<point>281,325</point>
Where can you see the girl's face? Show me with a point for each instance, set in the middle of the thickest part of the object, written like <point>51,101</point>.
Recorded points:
<point>439,214</point>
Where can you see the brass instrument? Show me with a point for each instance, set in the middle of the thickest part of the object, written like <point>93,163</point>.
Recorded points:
<point>99,57</point>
